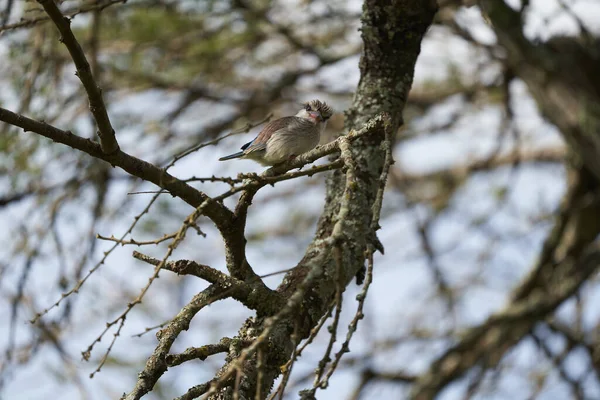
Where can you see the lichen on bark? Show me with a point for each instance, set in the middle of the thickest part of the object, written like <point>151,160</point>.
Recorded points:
<point>392,32</point>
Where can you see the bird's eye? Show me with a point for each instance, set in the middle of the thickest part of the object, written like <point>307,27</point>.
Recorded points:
<point>307,107</point>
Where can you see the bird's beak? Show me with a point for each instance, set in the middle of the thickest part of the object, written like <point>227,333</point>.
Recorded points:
<point>315,115</point>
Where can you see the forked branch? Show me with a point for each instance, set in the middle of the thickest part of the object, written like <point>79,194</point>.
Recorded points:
<point>106,132</point>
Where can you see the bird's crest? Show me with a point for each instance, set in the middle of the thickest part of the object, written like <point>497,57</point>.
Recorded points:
<point>317,105</point>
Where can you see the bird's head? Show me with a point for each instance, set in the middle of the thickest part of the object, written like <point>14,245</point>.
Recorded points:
<point>315,110</point>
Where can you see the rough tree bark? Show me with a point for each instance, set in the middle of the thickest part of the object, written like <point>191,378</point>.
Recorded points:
<point>392,32</point>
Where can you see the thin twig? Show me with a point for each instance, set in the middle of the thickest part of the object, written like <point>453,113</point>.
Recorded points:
<point>337,251</point>
<point>246,128</point>
<point>254,296</point>
<point>80,283</point>
<point>25,23</point>
<point>150,329</point>
<point>199,353</point>
<point>123,242</point>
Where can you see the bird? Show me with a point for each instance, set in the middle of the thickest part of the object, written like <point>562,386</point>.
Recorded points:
<point>287,137</point>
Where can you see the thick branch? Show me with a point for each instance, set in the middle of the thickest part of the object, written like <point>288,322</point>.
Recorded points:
<point>156,365</point>
<point>216,211</point>
<point>392,32</point>
<point>84,72</point>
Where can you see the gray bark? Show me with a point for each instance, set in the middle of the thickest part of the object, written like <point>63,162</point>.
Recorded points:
<point>392,32</point>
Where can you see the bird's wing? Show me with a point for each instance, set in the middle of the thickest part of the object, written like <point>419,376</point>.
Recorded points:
<point>260,142</point>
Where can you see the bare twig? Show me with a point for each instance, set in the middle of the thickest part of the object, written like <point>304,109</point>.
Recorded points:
<point>244,129</point>
<point>254,296</point>
<point>108,350</point>
<point>201,353</point>
<point>25,23</point>
<point>333,328</point>
<point>287,368</point>
<point>80,283</point>
<point>150,329</point>
<point>132,241</point>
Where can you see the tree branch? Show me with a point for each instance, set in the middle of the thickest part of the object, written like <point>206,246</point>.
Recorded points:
<point>216,211</point>
<point>255,296</point>
<point>156,365</point>
<point>392,32</point>
<point>201,353</point>
<point>84,72</point>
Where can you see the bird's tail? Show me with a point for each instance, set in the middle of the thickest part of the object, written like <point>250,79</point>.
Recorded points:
<point>232,156</point>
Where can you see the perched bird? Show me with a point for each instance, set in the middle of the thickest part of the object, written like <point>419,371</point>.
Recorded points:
<point>287,137</point>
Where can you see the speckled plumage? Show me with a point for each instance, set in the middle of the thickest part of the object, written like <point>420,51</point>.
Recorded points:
<point>287,137</point>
